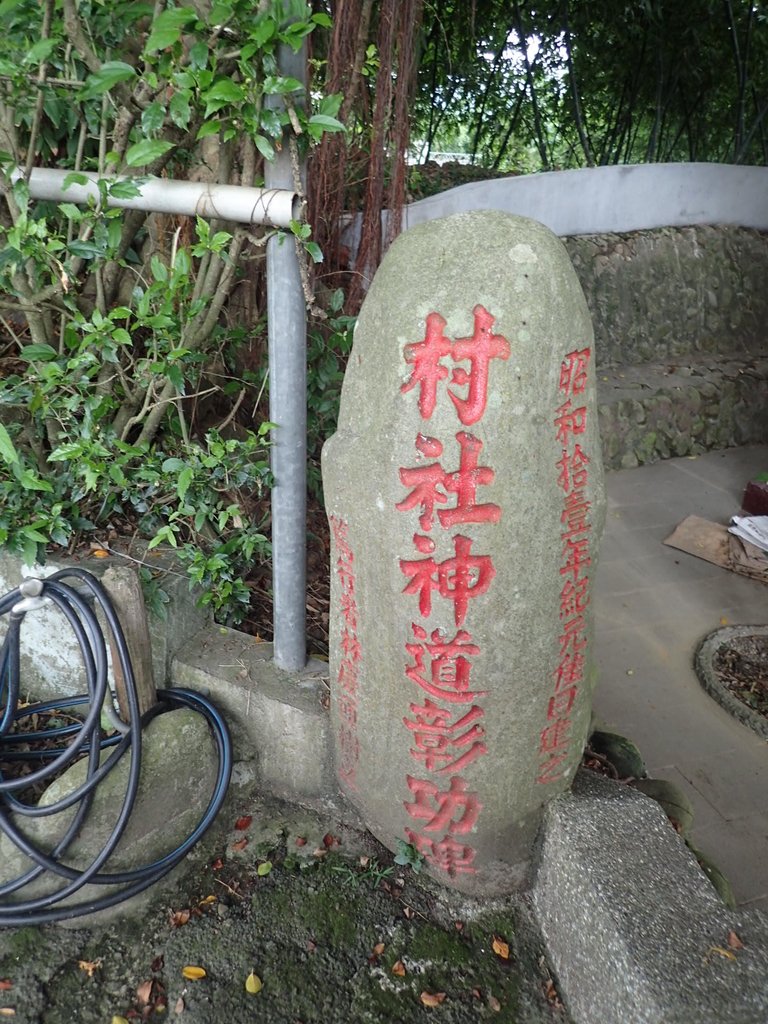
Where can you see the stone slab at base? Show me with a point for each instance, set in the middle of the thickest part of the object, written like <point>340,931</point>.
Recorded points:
<point>280,728</point>
<point>635,932</point>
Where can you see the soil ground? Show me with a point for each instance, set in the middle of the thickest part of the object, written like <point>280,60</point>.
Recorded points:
<point>742,667</point>
<point>332,929</point>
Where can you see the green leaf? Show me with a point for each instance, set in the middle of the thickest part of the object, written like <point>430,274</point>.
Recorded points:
<point>314,251</point>
<point>209,128</point>
<point>146,151</point>
<point>124,190</point>
<point>41,51</point>
<point>108,75</point>
<point>7,449</point>
<point>264,146</point>
<point>275,85</point>
<point>328,124</point>
<point>71,211</point>
<point>180,110</point>
<point>182,484</point>
<point>324,20</point>
<point>38,353</point>
<point>166,29</point>
<point>153,118</point>
<point>74,178</point>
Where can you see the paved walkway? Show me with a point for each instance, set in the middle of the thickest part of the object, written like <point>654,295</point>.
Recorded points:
<point>653,605</point>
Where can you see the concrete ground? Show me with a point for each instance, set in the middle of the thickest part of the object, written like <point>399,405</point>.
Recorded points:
<point>653,606</point>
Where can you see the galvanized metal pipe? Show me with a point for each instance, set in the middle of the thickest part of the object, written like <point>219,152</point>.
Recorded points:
<point>287,330</point>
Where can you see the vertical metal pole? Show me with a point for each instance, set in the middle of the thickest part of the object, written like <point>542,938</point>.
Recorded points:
<point>287,332</point>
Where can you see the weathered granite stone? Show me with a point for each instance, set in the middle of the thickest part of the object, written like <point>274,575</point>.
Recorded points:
<point>464,491</point>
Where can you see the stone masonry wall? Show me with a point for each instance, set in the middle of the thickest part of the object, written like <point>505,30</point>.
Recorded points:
<point>666,293</point>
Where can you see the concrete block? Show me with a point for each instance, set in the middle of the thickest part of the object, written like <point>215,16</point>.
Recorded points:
<point>635,932</point>
<point>51,665</point>
<point>277,718</point>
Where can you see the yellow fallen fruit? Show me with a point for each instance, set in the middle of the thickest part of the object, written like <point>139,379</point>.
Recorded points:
<point>253,984</point>
<point>193,973</point>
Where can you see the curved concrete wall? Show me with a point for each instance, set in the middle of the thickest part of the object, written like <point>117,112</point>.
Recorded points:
<point>615,199</point>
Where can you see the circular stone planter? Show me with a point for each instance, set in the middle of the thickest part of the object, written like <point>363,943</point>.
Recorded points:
<point>709,679</point>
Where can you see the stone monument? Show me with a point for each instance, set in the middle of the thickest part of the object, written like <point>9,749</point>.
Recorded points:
<point>464,490</point>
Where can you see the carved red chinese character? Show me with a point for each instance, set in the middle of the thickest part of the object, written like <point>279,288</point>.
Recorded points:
<point>435,736</point>
<point>573,469</point>
<point>430,484</point>
<point>480,349</point>
<point>550,771</point>
<point>453,810</point>
<point>461,578</point>
<point>445,854</point>
<point>348,678</point>
<point>570,669</point>
<point>426,356</point>
<point>450,668</point>
<point>574,515</point>
<point>570,421</point>
<point>576,554</point>
<point>573,372</point>
<point>561,703</point>
<point>350,645</point>
<point>574,597</point>
<point>555,736</point>
<point>348,607</point>
<point>573,636</point>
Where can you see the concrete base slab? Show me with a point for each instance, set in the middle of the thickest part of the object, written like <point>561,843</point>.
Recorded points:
<point>278,719</point>
<point>635,932</point>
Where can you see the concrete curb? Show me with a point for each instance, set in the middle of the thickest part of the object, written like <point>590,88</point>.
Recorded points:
<point>635,932</point>
<point>709,680</point>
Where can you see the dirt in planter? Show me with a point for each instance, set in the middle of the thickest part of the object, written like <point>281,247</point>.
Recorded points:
<point>741,665</point>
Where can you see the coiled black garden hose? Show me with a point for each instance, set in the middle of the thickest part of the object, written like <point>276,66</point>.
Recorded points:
<point>83,740</point>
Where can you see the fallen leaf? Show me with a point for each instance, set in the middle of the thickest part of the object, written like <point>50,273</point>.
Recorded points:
<point>179,918</point>
<point>144,992</point>
<point>398,969</point>
<point>97,553</point>
<point>500,947</point>
<point>432,998</point>
<point>243,823</point>
<point>458,925</point>
<point>217,865</point>
<point>364,861</point>
<point>253,984</point>
<point>264,869</point>
<point>725,953</point>
<point>551,993</point>
<point>206,901</point>
<point>240,845</point>
<point>193,973</point>
<point>5,984</point>
<point>734,941</point>
<point>301,841</point>
<point>330,842</point>
<point>311,945</point>
<point>89,966</point>
<point>379,948</point>
<point>494,1004</point>
<point>179,1007</point>
<point>157,964</point>
<point>319,852</point>
<point>7,1011</point>
<point>409,912</point>
<point>118,1020</point>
